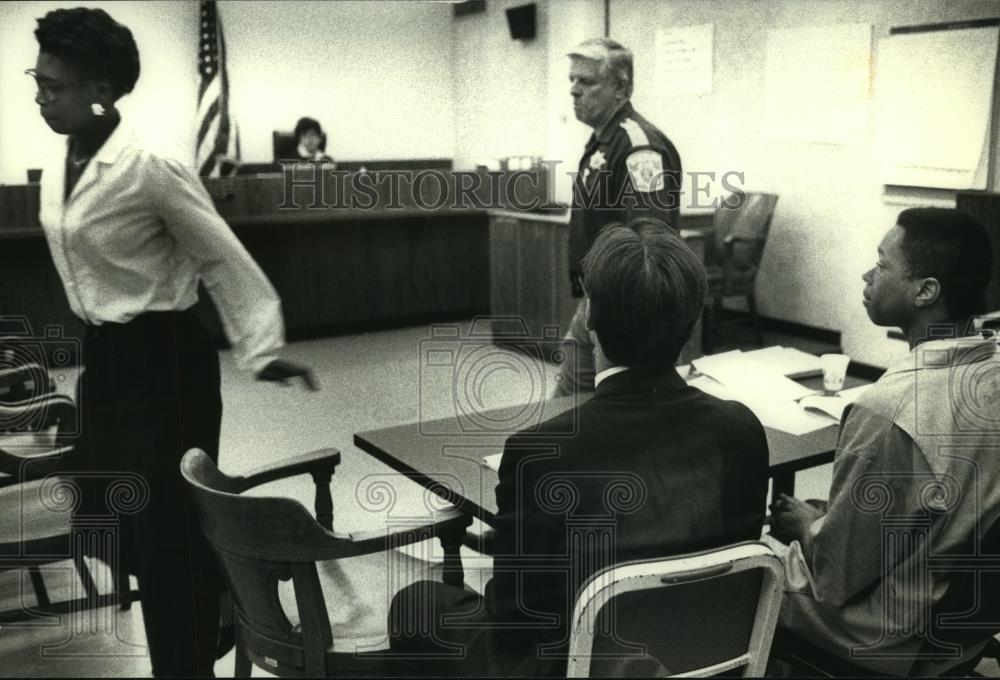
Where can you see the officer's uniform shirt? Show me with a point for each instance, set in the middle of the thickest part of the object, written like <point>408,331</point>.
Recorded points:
<point>628,169</point>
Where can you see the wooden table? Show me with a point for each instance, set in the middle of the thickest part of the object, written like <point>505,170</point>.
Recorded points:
<point>446,455</point>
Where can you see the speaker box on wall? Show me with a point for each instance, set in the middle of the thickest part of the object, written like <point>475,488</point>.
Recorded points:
<point>521,21</point>
<point>468,7</point>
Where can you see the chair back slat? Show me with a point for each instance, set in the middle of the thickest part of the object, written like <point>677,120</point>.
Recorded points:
<point>649,632</point>
<point>751,220</point>
<point>256,557</point>
<point>255,586</point>
<point>290,533</point>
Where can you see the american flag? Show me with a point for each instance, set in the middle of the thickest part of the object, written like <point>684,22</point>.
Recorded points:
<point>218,141</point>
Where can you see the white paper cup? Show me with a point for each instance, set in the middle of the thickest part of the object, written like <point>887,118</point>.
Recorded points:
<point>834,371</point>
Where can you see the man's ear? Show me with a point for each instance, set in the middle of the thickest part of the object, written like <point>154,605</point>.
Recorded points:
<point>586,316</point>
<point>928,292</point>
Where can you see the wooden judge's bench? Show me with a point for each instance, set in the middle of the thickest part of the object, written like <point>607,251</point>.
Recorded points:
<point>354,250</point>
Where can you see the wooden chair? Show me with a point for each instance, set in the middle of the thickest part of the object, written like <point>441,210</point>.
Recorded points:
<point>19,383</point>
<point>733,256</point>
<point>38,496</point>
<point>699,614</point>
<point>318,626</point>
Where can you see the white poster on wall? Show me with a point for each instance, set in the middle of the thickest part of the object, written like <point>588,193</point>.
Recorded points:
<point>934,98</point>
<point>818,83</point>
<point>684,60</point>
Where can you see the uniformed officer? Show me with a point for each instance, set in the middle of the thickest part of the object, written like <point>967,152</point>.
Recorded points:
<point>628,169</point>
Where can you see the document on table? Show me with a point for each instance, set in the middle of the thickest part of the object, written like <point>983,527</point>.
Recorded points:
<point>749,377</point>
<point>789,361</point>
<point>785,415</point>
<point>492,461</point>
<point>833,405</point>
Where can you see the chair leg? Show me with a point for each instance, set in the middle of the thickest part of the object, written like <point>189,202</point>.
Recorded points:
<point>38,584</point>
<point>89,587</point>
<point>451,542</point>
<point>123,588</point>
<point>707,317</point>
<point>752,306</point>
<point>243,666</point>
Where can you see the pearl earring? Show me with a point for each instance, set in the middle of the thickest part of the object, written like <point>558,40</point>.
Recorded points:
<point>98,109</point>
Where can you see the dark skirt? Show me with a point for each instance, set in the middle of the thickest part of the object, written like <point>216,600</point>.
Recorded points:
<point>149,392</point>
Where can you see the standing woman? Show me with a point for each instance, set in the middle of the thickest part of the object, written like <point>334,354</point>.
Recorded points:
<point>132,232</point>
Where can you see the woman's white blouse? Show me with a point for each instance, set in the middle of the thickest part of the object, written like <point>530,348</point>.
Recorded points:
<point>137,234</point>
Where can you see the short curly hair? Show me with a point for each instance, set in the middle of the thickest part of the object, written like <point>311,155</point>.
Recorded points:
<point>953,247</point>
<point>305,125</point>
<point>90,39</point>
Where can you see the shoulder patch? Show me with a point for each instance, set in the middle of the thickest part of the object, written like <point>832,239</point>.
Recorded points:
<point>645,167</point>
<point>635,134</point>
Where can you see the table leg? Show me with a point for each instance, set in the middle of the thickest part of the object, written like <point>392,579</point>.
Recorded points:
<point>783,482</point>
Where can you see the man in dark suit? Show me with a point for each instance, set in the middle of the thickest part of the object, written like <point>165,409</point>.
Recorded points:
<point>648,467</point>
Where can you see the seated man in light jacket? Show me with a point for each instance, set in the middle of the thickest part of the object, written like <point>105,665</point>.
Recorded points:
<point>917,472</point>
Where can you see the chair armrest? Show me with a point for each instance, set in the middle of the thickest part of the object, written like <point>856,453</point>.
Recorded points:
<point>38,413</point>
<point>321,461</point>
<point>442,522</point>
<point>734,238</point>
<point>448,526</point>
<point>27,467</point>
<point>691,234</point>
<point>22,374</point>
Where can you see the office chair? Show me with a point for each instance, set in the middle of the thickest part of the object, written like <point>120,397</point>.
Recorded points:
<point>961,629</point>
<point>284,145</point>
<point>733,255</point>
<point>317,626</point>
<point>698,614</point>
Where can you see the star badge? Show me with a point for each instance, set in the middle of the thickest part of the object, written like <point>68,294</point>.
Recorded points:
<point>597,160</point>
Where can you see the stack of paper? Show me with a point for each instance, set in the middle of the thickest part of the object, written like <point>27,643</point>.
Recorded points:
<point>834,405</point>
<point>492,461</point>
<point>785,415</point>
<point>791,362</point>
<point>736,371</point>
<point>762,387</point>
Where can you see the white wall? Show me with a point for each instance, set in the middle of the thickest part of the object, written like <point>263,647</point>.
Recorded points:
<point>377,75</point>
<point>500,87</point>
<point>831,212</point>
<point>164,97</point>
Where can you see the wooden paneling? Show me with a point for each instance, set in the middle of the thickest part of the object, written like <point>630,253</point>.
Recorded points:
<point>30,287</point>
<point>336,269</point>
<point>529,274</point>
<point>529,269</point>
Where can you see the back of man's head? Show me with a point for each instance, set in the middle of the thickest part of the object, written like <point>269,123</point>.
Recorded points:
<point>646,290</point>
<point>952,247</point>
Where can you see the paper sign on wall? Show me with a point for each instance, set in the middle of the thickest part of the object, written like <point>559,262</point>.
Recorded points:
<point>934,100</point>
<point>684,60</point>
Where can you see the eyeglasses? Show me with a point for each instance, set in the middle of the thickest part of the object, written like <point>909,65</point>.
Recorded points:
<point>48,88</point>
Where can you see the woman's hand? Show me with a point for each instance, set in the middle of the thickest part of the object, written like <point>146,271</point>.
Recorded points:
<point>281,371</point>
